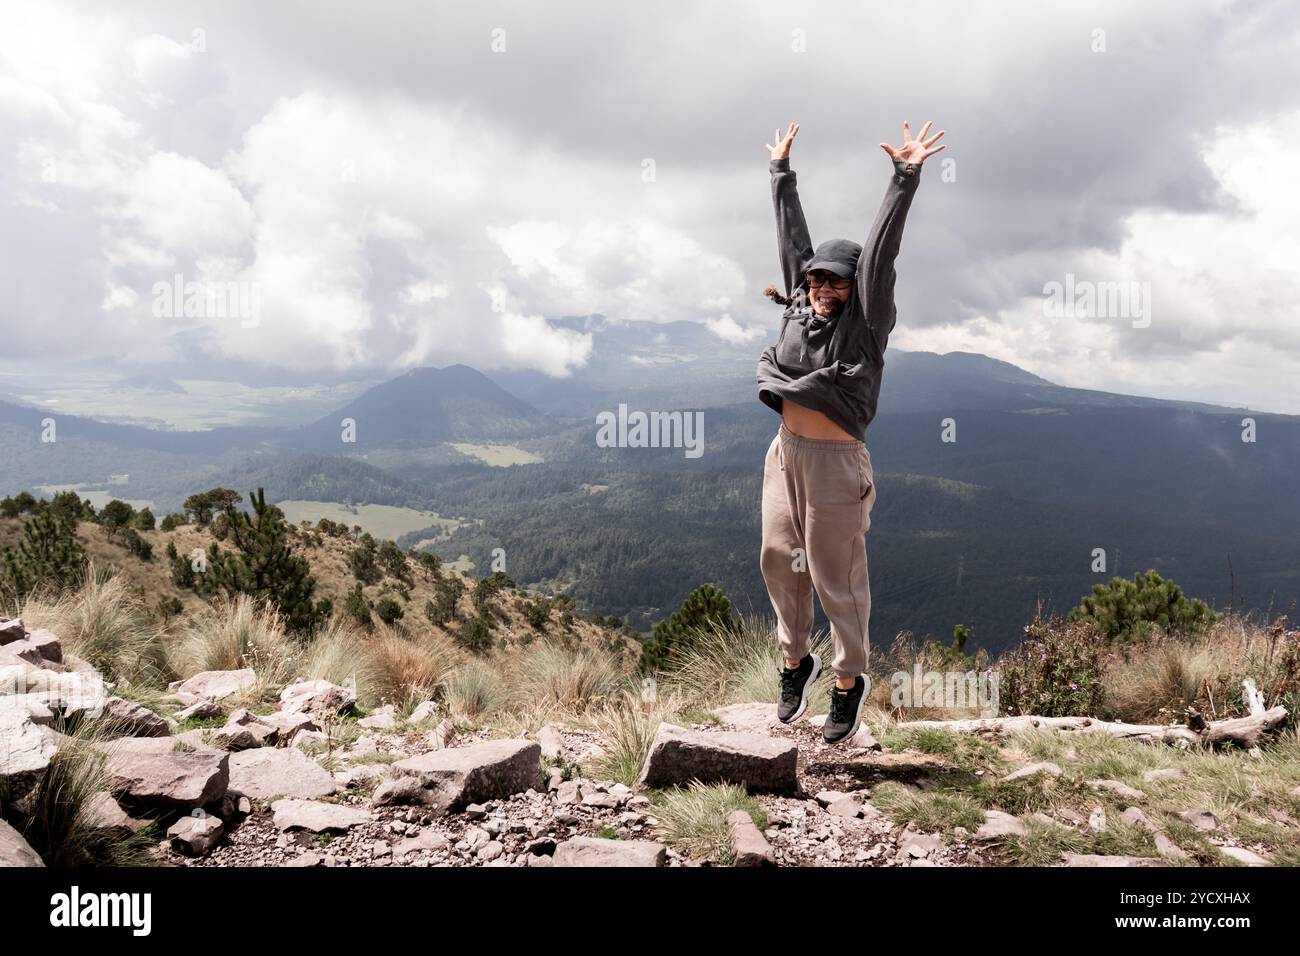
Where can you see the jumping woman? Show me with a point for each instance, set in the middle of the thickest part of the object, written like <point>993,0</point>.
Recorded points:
<point>823,377</point>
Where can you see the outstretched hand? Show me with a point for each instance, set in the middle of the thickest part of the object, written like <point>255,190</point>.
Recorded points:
<point>782,148</point>
<point>913,150</point>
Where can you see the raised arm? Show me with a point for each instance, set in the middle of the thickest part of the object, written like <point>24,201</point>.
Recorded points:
<point>875,276</point>
<point>792,238</point>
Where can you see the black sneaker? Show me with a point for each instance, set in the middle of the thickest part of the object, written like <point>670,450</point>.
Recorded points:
<point>846,711</point>
<point>795,685</point>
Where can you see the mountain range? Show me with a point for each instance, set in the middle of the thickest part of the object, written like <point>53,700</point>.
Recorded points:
<point>1038,482</point>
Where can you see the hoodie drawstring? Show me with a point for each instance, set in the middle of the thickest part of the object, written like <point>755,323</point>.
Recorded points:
<point>812,319</point>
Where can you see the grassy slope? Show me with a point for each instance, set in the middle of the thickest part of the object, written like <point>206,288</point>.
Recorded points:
<point>334,579</point>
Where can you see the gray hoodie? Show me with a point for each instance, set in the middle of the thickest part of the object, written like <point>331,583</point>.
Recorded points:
<point>834,365</point>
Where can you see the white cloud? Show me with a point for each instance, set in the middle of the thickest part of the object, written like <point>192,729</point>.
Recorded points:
<point>418,293</point>
<point>184,205</point>
<point>636,268</point>
<point>732,332</point>
<point>161,66</point>
<point>119,297</point>
<point>1224,288</point>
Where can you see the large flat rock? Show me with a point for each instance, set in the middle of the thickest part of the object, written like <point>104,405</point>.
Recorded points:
<point>103,812</point>
<point>453,777</point>
<point>190,740</point>
<point>279,772</point>
<point>317,817</point>
<point>594,851</point>
<point>149,775</point>
<point>36,707</point>
<point>759,763</point>
<point>39,647</point>
<point>81,693</point>
<point>122,718</point>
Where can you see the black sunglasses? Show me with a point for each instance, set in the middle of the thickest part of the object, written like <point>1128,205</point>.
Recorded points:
<point>825,278</point>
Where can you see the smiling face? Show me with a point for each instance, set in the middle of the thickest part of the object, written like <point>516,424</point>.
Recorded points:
<point>828,292</point>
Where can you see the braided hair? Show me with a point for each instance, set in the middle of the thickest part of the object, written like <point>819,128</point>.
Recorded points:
<point>773,293</point>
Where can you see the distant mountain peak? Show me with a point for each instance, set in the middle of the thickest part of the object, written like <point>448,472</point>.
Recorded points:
<point>981,364</point>
<point>427,405</point>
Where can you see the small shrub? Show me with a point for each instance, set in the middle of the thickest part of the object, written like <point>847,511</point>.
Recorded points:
<point>473,635</point>
<point>388,610</point>
<point>1057,671</point>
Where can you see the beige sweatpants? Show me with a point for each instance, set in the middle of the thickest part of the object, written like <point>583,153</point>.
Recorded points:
<point>817,501</point>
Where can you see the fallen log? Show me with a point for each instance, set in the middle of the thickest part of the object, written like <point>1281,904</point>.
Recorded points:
<point>1244,732</point>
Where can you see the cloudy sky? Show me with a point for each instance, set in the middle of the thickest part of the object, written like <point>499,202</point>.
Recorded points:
<point>393,184</point>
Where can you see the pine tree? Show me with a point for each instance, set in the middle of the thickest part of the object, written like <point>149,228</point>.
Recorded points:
<point>362,562</point>
<point>1130,610</point>
<point>393,560</point>
<point>705,607</point>
<point>207,503</point>
<point>48,555</point>
<point>115,516</point>
<point>130,539</point>
<point>71,508</point>
<point>447,593</point>
<point>358,608</point>
<point>429,563</point>
<point>538,612</point>
<point>263,565</point>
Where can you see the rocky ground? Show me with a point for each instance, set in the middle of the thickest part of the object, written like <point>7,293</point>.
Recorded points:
<point>832,822</point>
<point>310,784</point>
<point>819,827</point>
<point>276,789</point>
